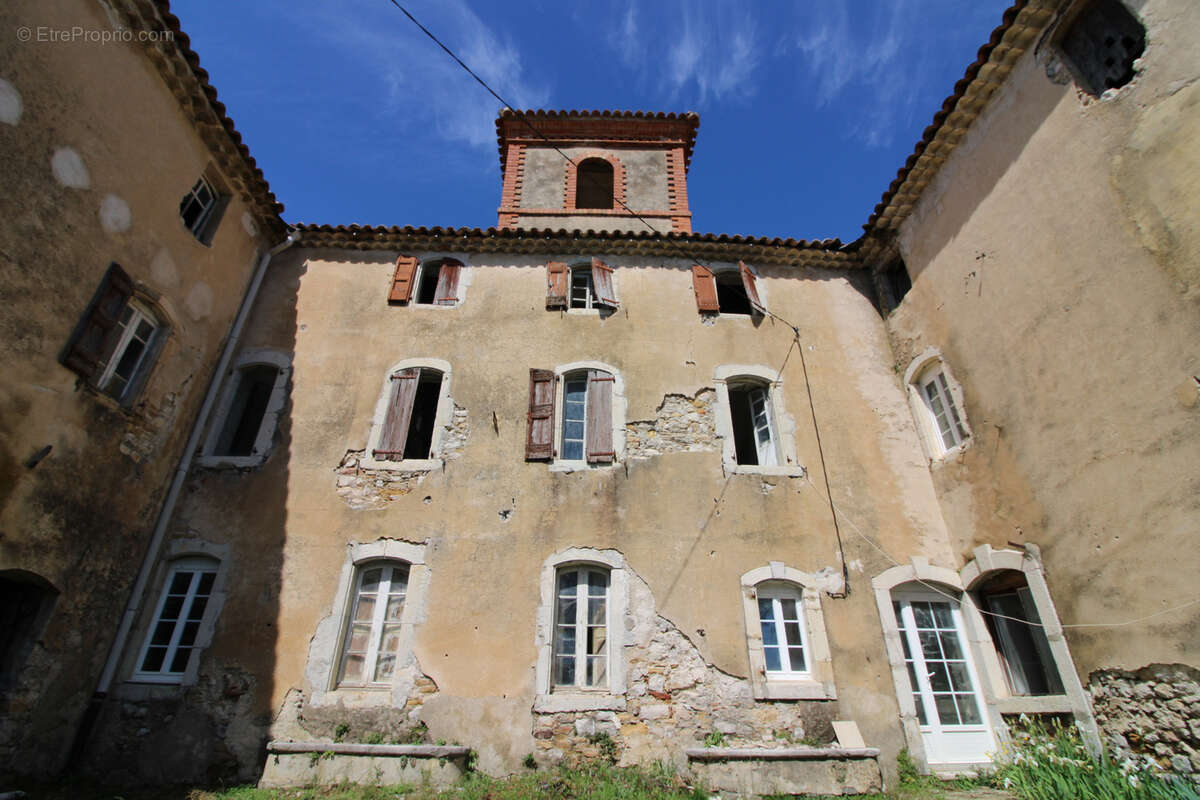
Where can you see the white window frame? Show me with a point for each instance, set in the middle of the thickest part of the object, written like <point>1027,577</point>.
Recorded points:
<point>200,224</point>
<point>551,698</point>
<point>926,368</point>
<point>590,301</point>
<point>817,681</point>
<point>264,440</point>
<point>327,645</point>
<point>579,626</point>
<point>465,275</point>
<point>619,407</point>
<point>383,594</point>
<point>138,313</point>
<point>442,420</point>
<point>782,427</point>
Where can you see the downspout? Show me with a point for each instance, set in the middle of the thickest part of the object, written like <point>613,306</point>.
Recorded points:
<point>133,606</point>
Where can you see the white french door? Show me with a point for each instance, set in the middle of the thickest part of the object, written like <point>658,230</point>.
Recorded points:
<point>944,682</point>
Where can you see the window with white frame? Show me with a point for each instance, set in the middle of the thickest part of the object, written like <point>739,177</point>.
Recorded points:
<point>412,413</point>
<point>788,649</point>
<point>727,291</point>
<point>581,628</point>
<point>580,287</point>
<point>582,403</point>
<point>754,436</point>
<point>583,293</point>
<point>784,635</point>
<point>172,638</point>
<point>373,629</point>
<point>202,206</point>
<point>248,414</point>
<point>943,415</point>
<point>1018,634</point>
<point>115,343</point>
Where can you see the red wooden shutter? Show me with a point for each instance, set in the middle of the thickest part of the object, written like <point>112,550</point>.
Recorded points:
<point>402,279</point>
<point>556,284</point>
<point>750,283</point>
<point>599,417</point>
<point>446,293</point>
<point>539,438</point>
<point>602,284</point>
<point>394,435</point>
<point>89,342</point>
<point>705,287</point>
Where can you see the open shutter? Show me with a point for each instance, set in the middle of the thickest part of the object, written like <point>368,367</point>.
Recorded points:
<point>402,279</point>
<point>447,285</point>
<point>750,283</point>
<point>539,439</point>
<point>602,284</point>
<point>599,418</point>
<point>394,435</point>
<point>89,342</point>
<point>556,284</point>
<point>706,288</point>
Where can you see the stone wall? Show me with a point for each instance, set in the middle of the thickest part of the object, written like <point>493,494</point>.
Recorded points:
<point>1153,712</point>
<point>680,424</point>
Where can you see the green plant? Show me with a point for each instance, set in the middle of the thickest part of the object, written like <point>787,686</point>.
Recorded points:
<point>714,739</point>
<point>530,762</point>
<point>339,733</point>
<point>374,737</point>
<point>606,745</point>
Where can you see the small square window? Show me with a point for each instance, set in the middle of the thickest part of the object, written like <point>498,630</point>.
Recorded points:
<point>1102,43</point>
<point>202,207</point>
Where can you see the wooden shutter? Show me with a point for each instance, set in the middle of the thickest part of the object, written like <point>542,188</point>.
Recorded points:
<point>394,435</point>
<point>557,278</point>
<point>602,284</point>
<point>705,287</point>
<point>90,341</point>
<point>750,283</point>
<point>599,417</point>
<point>539,438</point>
<point>402,279</point>
<point>446,293</point>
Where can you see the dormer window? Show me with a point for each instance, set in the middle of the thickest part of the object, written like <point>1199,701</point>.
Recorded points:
<point>594,184</point>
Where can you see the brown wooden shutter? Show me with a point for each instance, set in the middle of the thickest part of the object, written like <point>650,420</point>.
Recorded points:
<point>402,279</point>
<point>750,283</point>
<point>446,293</point>
<point>556,284</point>
<point>602,284</point>
<point>394,435</point>
<point>706,288</point>
<point>599,417</point>
<point>539,438</point>
<point>90,341</point>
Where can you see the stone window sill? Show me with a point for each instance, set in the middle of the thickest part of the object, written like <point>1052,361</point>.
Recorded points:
<point>230,462</point>
<point>406,465</point>
<point>794,690</point>
<point>786,471</point>
<point>578,701</point>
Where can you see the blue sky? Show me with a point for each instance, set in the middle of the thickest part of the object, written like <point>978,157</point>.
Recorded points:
<point>807,108</point>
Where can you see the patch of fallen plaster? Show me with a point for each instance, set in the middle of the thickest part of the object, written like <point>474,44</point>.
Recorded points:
<point>68,168</point>
<point>115,216</point>
<point>10,103</point>
<point>681,424</point>
<point>674,698</point>
<point>199,301</point>
<point>148,430</point>
<point>248,225</point>
<point>163,270</point>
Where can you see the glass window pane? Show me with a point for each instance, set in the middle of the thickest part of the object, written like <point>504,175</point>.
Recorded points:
<point>352,668</point>
<point>566,611</point>
<point>572,429</point>
<point>797,658</point>
<point>769,635</point>
<point>206,583</point>
<point>188,637</point>
<point>597,671</point>
<point>391,639</point>
<point>929,645</point>
<point>564,671</point>
<point>196,612</point>
<point>573,450</point>
<point>154,659</point>
<point>596,611</point>
<point>950,645</point>
<point>384,667</point>
<point>942,615</point>
<point>370,580</point>
<point>922,615</point>
<point>566,582</point>
<point>774,663</point>
<point>946,711</point>
<point>180,582</point>
<point>162,633</point>
<point>597,584</point>
<point>766,609</point>
<point>180,661</point>
<point>968,709</point>
<point>792,630</point>
<point>789,608</point>
<point>596,640</point>
<point>395,607</point>
<point>171,608</point>
<point>360,639</point>
<point>365,609</point>
<point>938,679</point>
<point>920,704</point>
<point>960,677</point>
<point>399,580</point>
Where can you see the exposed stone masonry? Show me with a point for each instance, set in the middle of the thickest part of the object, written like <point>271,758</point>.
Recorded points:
<point>1154,712</point>
<point>364,488</point>
<point>681,424</point>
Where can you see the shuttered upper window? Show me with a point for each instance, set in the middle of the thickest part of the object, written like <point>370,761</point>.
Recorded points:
<point>411,416</point>
<point>571,416</point>
<point>432,282</point>
<point>580,286</point>
<point>727,291</point>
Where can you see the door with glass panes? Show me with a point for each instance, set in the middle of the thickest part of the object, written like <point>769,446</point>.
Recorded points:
<point>943,679</point>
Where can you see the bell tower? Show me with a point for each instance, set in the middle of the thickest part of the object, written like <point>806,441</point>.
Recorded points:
<point>617,163</point>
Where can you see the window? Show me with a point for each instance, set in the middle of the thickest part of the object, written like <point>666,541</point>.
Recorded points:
<point>753,436</point>
<point>245,426</point>
<point>584,399</point>
<point>436,281</point>
<point>373,629</point>
<point>411,415</point>
<point>788,649</point>
<point>727,291</point>
<point>175,630</point>
<point>202,207</point>
<point>1102,43</point>
<point>581,628</point>
<point>896,282</point>
<point>26,601</point>
<point>594,186</point>
<point>116,341</point>
<point>1020,639</point>
<point>940,673</point>
<point>581,286</point>
<point>943,415</point>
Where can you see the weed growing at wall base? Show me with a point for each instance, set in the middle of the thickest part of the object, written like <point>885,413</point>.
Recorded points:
<point>1052,764</point>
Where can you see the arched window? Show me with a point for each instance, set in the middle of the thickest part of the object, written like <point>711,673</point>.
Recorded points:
<point>411,415</point>
<point>754,437</point>
<point>373,626</point>
<point>576,415</point>
<point>1018,634</point>
<point>244,427</point>
<point>175,631</point>
<point>594,184</point>
<point>938,412</point>
<point>581,627</point>
<point>26,601</point>
<point>785,633</point>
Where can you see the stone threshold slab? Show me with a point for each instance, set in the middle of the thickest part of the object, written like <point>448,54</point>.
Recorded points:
<point>779,753</point>
<point>358,749</point>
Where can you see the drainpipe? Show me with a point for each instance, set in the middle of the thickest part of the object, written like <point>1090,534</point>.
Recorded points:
<point>132,607</point>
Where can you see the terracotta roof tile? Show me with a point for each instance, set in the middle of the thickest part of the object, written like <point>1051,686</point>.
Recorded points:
<point>554,124</point>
